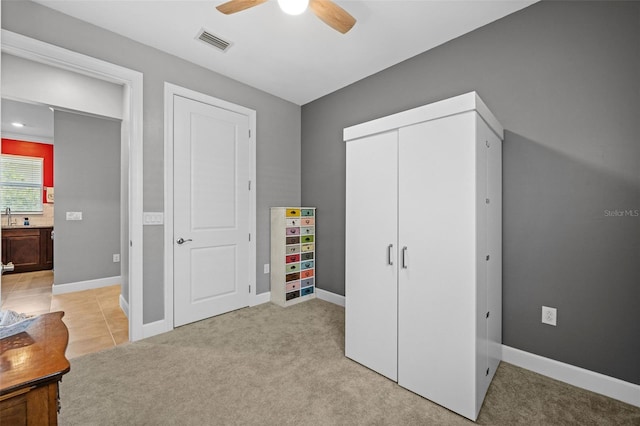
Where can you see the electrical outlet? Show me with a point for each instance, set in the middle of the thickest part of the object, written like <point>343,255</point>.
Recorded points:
<point>549,315</point>
<point>266,268</point>
<point>116,258</point>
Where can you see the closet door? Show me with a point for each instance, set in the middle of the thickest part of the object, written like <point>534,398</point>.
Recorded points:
<point>436,288</point>
<point>371,252</point>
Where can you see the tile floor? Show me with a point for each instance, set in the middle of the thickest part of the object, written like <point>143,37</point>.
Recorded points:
<point>94,317</point>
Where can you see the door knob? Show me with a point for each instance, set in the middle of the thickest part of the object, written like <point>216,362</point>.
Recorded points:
<point>182,240</point>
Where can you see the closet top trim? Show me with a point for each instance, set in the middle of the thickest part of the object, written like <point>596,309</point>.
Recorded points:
<point>456,105</point>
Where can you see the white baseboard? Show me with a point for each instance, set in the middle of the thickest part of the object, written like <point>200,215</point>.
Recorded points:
<point>261,298</point>
<point>320,294</point>
<point>162,326</point>
<point>124,305</point>
<point>85,285</point>
<point>330,297</point>
<point>576,376</point>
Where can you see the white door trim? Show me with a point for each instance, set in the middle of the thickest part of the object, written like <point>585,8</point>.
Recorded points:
<point>38,51</point>
<point>171,90</point>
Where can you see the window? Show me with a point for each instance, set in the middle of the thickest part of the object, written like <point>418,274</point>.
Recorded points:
<point>21,183</point>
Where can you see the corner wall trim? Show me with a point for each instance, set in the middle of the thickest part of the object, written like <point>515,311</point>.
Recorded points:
<point>330,297</point>
<point>576,376</point>
<point>85,285</point>
<point>124,305</point>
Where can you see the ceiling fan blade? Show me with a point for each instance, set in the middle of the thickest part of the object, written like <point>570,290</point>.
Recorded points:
<point>234,6</point>
<point>332,15</point>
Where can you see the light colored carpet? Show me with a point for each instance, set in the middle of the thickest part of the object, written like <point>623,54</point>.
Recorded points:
<point>269,365</point>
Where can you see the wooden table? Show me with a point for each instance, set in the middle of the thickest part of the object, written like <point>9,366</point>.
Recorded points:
<point>32,364</point>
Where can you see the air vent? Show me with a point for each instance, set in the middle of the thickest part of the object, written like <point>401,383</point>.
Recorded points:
<point>214,40</point>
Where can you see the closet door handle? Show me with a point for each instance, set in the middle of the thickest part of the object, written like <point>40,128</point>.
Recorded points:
<point>389,260</point>
<point>404,258</point>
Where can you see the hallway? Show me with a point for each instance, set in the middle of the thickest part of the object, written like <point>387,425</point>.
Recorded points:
<point>94,317</point>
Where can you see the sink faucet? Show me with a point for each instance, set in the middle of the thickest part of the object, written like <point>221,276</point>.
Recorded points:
<point>8,212</point>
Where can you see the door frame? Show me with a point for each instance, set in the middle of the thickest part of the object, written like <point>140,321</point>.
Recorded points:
<point>171,90</point>
<point>45,53</point>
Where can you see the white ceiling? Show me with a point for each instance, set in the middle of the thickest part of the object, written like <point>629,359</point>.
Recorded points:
<point>37,120</point>
<point>297,58</point>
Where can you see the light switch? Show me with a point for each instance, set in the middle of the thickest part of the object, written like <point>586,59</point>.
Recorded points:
<point>153,218</point>
<point>74,215</point>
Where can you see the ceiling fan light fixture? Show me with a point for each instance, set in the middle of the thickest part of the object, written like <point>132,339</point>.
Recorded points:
<point>293,7</point>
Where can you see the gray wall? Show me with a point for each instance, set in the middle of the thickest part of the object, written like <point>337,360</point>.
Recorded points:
<point>562,78</point>
<point>87,179</point>
<point>278,126</point>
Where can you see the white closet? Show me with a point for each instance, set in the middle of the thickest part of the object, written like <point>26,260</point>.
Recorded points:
<point>423,249</point>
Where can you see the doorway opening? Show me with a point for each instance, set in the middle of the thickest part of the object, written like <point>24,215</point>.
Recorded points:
<point>131,135</point>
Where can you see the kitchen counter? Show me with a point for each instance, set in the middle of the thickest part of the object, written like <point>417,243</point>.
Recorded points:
<point>26,227</point>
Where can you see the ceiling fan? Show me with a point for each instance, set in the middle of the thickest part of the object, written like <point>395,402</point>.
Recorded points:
<point>329,12</point>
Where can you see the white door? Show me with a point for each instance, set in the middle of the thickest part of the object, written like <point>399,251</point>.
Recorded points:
<point>436,284</point>
<point>371,253</point>
<point>211,210</point>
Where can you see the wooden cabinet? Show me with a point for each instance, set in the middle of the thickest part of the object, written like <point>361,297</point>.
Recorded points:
<point>46,247</point>
<point>423,250</point>
<point>37,406</point>
<point>30,249</point>
<point>32,365</point>
<point>292,254</point>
